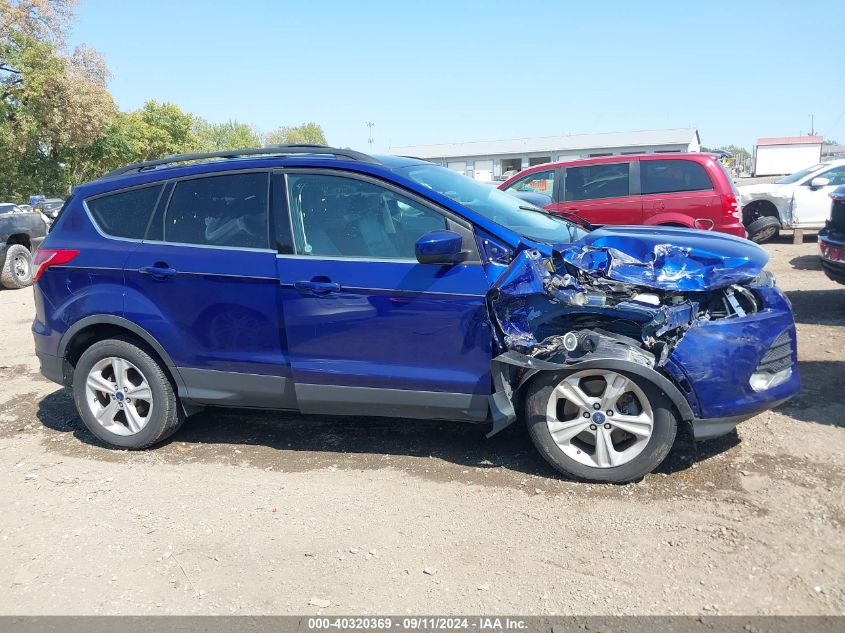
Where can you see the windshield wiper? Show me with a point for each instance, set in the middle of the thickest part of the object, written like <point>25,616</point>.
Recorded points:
<point>584,223</point>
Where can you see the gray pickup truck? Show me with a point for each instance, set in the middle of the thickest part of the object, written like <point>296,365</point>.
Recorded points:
<point>20,235</point>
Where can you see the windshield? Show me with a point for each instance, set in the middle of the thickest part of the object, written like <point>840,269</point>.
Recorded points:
<point>502,208</point>
<point>798,175</point>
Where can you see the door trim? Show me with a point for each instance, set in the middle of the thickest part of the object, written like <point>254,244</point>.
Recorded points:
<point>392,403</point>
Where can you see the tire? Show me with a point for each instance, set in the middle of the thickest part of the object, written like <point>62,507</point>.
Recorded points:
<point>135,412</point>
<point>17,269</point>
<point>763,229</point>
<point>636,397</point>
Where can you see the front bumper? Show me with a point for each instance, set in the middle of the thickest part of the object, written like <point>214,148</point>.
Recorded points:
<point>718,359</point>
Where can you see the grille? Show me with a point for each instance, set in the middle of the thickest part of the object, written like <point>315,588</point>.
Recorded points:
<point>778,356</point>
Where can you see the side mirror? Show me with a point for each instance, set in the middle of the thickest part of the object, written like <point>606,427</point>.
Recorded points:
<point>819,181</point>
<point>439,247</point>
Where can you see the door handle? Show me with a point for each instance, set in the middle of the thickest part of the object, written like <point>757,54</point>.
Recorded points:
<point>159,272</point>
<point>316,287</point>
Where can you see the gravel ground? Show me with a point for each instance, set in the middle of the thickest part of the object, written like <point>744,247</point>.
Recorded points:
<point>253,513</point>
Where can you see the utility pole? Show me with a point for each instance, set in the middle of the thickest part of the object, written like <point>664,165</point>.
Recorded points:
<point>812,126</point>
<point>370,140</point>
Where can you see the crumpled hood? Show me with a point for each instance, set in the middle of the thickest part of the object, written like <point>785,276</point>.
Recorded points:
<point>667,258</point>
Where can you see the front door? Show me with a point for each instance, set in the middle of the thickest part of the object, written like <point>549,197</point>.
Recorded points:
<point>370,330</point>
<point>811,206</point>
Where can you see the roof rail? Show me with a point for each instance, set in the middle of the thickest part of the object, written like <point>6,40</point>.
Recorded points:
<point>270,150</point>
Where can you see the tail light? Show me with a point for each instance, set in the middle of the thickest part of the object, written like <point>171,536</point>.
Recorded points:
<point>731,205</point>
<point>46,257</point>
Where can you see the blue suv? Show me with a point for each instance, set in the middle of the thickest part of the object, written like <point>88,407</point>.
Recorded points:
<point>327,281</point>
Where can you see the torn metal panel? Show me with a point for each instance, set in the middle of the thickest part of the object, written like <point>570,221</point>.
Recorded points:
<point>778,195</point>
<point>613,298</point>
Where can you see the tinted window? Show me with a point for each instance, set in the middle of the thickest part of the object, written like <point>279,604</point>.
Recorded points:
<point>333,216</point>
<point>592,182</point>
<point>537,182</point>
<point>228,210</point>
<point>670,176</point>
<point>126,213</point>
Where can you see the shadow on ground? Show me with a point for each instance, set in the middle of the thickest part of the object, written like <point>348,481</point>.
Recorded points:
<point>806,262</point>
<point>822,398</point>
<point>318,442</point>
<point>818,307</point>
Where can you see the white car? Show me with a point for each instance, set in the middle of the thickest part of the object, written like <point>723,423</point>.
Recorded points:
<point>799,201</point>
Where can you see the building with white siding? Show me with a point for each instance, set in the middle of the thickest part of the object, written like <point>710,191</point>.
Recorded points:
<point>490,160</point>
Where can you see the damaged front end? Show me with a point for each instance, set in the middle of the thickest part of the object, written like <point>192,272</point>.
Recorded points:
<point>621,299</point>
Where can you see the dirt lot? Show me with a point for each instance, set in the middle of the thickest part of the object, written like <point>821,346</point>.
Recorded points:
<point>263,513</point>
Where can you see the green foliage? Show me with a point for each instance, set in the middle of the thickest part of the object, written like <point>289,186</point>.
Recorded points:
<point>305,133</point>
<point>58,122</point>
<point>211,137</point>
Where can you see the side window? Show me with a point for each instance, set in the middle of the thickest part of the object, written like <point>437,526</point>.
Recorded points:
<point>592,182</point>
<point>537,182</point>
<point>334,216</point>
<point>835,175</point>
<point>125,213</point>
<point>228,210</point>
<point>672,176</point>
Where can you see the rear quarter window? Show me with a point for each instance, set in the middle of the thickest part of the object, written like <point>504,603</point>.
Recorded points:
<point>673,176</point>
<point>125,213</point>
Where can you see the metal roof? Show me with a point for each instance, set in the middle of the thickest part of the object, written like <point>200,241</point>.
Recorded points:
<point>791,140</point>
<point>642,138</point>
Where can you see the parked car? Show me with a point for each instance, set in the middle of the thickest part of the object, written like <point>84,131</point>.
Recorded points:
<point>832,238</point>
<point>9,207</point>
<point>20,234</point>
<point>50,207</point>
<point>691,190</point>
<point>799,201</point>
<point>327,281</point>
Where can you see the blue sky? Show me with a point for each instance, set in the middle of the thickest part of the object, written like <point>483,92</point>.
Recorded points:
<point>444,71</point>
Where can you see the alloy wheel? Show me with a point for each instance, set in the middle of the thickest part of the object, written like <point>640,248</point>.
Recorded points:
<point>599,418</point>
<point>119,396</point>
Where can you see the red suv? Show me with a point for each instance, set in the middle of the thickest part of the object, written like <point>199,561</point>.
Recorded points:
<point>691,190</point>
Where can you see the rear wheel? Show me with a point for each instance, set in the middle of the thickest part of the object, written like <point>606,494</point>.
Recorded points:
<point>124,396</point>
<point>17,269</point>
<point>763,229</point>
<point>599,424</point>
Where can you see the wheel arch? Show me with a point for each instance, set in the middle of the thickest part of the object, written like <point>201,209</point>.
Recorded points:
<point>91,329</point>
<point>764,207</point>
<point>505,401</point>
<point>19,238</point>
<point>674,394</point>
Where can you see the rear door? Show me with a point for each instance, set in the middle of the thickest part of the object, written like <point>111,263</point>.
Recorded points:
<point>604,193</point>
<point>203,283</point>
<point>370,330</point>
<point>677,191</point>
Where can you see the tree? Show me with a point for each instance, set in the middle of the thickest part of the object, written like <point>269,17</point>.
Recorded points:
<point>211,137</point>
<point>306,133</point>
<point>51,102</point>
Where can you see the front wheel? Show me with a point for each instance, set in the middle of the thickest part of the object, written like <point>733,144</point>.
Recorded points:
<point>600,425</point>
<point>124,396</point>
